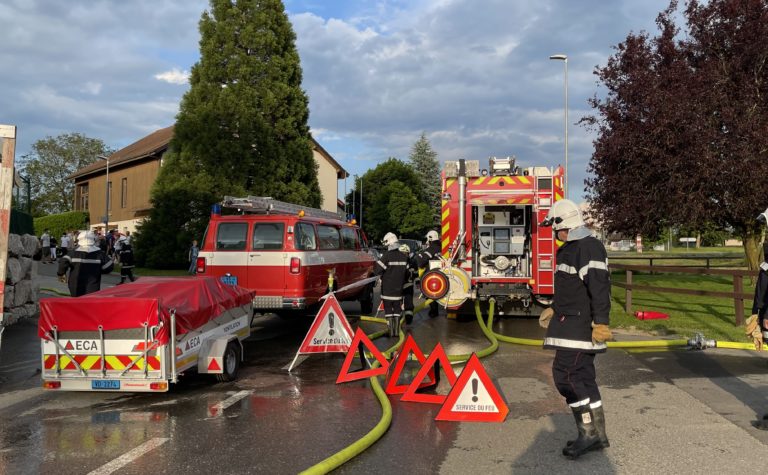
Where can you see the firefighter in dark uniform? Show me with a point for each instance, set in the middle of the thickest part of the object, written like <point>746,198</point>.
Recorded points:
<point>757,324</point>
<point>410,276</point>
<point>85,266</point>
<point>577,323</point>
<point>431,252</point>
<point>392,267</point>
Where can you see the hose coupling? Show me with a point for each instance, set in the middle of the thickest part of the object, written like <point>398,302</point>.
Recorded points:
<point>698,342</point>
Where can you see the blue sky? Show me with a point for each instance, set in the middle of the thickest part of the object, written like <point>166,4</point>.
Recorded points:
<point>473,75</point>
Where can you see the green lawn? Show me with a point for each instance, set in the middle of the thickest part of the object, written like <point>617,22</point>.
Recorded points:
<point>688,314</point>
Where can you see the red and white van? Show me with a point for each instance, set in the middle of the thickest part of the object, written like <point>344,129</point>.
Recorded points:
<point>285,253</point>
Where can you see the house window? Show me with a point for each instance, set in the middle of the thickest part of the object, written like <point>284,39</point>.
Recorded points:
<point>124,192</point>
<point>82,197</point>
<point>109,196</point>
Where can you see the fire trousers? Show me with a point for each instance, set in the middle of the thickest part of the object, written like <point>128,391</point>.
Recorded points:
<point>574,376</point>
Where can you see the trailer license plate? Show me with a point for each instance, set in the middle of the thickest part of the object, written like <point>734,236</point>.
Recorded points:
<point>105,384</point>
<point>229,279</point>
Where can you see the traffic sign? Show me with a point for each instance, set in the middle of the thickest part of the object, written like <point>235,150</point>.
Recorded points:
<point>474,397</point>
<point>400,359</point>
<point>330,331</point>
<point>436,358</point>
<point>358,342</point>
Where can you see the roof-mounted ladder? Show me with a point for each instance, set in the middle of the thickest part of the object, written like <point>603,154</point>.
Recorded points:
<point>268,205</point>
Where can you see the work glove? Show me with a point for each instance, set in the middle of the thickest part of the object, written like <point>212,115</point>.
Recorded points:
<point>63,279</point>
<point>752,330</point>
<point>600,333</point>
<point>545,317</point>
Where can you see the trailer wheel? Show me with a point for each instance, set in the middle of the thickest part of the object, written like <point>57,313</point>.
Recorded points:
<point>231,362</point>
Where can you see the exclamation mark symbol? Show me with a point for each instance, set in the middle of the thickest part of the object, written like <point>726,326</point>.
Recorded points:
<point>474,389</point>
<point>330,323</point>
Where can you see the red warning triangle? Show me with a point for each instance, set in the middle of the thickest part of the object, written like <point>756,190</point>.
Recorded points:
<point>473,397</point>
<point>69,345</point>
<point>330,332</point>
<point>361,339</point>
<point>438,354</point>
<point>214,365</point>
<point>400,359</point>
<point>381,307</point>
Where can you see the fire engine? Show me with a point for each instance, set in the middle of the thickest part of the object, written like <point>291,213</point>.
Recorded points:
<point>492,246</point>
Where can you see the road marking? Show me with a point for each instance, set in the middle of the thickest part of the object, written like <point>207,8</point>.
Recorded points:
<point>12,366</point>
<point>130,456</point>
<point>218,409</point>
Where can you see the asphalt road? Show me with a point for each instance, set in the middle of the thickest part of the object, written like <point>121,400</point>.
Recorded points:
<point>667,412</point>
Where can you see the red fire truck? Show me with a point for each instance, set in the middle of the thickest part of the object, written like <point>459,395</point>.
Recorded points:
<point>492,246</point>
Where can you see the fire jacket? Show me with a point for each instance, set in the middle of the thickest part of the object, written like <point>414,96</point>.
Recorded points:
<point>126,256</point>
<point>85,266</point>
<point>760,302</point>
<point>410,274</point>
<point>393,269</point>
<point>431,252</point>
<point>582,296</point>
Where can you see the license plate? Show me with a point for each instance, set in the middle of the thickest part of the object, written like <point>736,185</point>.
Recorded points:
<point>229,279</point>
<point>105,384</point>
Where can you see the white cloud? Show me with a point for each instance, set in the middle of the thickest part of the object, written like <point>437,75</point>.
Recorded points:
<point>174,76</point>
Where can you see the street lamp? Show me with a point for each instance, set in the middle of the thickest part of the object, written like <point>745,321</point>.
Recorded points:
<point>564,59</point>
<point>106,201</point>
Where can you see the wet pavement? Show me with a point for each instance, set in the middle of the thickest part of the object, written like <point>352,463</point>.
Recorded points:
<point>667,412</point>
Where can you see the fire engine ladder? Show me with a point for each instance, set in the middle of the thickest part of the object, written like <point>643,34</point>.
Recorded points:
<point>7,153</point>
<point>544,237</point>
<point>267,205</point>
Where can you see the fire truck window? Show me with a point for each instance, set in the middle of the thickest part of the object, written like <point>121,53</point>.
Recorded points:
<point>268,236</point>
<point>231,236</point>
<point>329,237</point>
<point>305,237</point>
<point>349,238</point>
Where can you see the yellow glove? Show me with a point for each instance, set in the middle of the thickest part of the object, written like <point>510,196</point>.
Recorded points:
<point>752,330</point>
<point>600,333</point>
<point>545,317</point>
<point>63,279</point>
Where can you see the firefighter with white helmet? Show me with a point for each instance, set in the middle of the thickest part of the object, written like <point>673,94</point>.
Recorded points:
<point>757,324</point>
<point>432,251</point>
<point>577,323</point>
<point>392,266</point>
<point>85,266</point>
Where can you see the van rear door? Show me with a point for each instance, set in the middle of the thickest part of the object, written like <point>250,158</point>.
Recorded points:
<point>267,259</point>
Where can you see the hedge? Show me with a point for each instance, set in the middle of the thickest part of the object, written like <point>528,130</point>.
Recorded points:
<point>58,224</point>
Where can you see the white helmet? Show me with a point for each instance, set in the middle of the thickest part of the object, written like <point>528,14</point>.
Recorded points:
<point>763,217</point>
<point>389,239</point>
<point>432,236</point>
<point>564,214</point>
<point>404,248</point>
<point>86,239</point>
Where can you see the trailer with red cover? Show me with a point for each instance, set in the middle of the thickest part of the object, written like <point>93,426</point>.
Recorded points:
<point>139,337</point>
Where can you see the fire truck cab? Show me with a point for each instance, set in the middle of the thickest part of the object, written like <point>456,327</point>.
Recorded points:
<point>492,246</point>
<point>288,254</point>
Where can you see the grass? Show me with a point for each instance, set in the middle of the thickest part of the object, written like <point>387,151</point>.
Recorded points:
<point>728,257</point>
<point>688,314</point>
<point>144,271</point>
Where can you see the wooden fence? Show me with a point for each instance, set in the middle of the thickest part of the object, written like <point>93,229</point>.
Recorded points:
<point>738,295</point>
<point>694,257</point>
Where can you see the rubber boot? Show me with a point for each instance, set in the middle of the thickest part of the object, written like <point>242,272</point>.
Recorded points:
<point>588,438</point>
<point>408,317</point>
<point>393,324</point>
<point>599,419</point>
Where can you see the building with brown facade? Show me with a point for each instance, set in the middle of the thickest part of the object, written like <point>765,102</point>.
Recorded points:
<point>118,187</point>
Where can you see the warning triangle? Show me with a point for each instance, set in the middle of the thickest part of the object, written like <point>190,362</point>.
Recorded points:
<point>437,356</point>
<point>214,365</point>
<point>69,345</point>
<point>330,331</point>
<point>473,397</point>
<point>381,307</point>
<point>400,359</point>
<point>358,342</point>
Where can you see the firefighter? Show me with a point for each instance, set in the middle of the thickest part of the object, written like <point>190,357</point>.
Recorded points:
<point>432,251</point>
<point>85,266</point>
<point>577,323</point>
<point>757,324</point>
<point>124,252</point>
<point>392,266</point>
<point>410,276</point>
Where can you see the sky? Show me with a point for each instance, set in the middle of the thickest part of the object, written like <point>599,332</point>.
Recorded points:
<point>473,75</point>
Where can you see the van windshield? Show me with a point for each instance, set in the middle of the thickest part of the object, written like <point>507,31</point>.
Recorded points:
<point>268,236</point>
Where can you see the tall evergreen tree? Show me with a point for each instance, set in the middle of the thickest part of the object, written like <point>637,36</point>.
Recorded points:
<point>241,129</point>
<point>424,161</point>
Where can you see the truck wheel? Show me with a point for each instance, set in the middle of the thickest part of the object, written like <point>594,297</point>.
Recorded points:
<point>231,362</point>
<point>366,301</point>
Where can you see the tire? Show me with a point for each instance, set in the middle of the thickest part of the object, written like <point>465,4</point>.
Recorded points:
<point>366,301</point>
<point>231,362</point>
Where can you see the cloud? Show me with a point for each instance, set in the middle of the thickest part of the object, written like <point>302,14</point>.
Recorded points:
<point>174,76</point>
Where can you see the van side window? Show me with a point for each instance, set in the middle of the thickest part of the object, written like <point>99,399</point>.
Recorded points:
<point>305,237</point>
<point>329,237</point>
<point>231,236</point>
<point>349,238</point>
<point>268,236</point>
